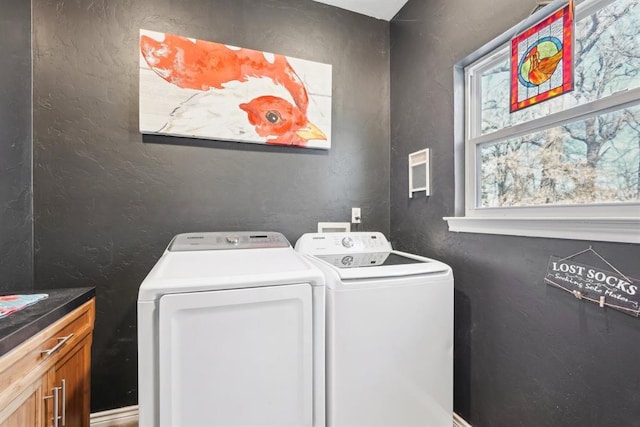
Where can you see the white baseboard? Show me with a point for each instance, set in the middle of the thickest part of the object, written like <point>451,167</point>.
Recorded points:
<point>129,414</point>
<point>458,421</point>
<point>115,417</point>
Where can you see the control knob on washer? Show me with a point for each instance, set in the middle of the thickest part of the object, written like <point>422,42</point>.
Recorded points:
<point>347,260</point>
<point>347,242</point>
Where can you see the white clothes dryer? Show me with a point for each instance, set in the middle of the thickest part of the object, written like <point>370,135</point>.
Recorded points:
<point>231,333</point>
<point>389,332</point>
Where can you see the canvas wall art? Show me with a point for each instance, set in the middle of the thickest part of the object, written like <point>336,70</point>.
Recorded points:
<point>201,89</point>
<point>542,60</point>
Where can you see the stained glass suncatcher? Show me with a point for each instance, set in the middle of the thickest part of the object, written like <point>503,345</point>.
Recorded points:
<point>542,60</point>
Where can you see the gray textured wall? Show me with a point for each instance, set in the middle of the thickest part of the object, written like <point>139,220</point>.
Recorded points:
<point>16,228</point>
<point>107,202</point>
<point>525,354</point>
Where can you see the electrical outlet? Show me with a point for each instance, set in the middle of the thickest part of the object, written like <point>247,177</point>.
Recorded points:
<point>356,218</point>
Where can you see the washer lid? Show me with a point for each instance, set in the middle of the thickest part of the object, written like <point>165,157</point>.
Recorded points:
<point>369,259</point>
<point>379,265</point>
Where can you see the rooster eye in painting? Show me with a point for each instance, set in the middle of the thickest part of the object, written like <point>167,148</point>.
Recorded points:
<point>272,116</point>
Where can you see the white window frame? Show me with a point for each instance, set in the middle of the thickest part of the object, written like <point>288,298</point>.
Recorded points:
<point>614,222</point>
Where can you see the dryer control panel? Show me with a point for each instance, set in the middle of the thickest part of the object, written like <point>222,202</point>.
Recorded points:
<point>343,243</point>
<point>227,240</point>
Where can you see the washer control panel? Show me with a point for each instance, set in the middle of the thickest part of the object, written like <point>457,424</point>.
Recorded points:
<point>366,259</point>
<point>227,240</point>
<point>343,243</point>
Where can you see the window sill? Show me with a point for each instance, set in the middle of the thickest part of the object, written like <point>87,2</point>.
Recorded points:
<point>623,230</point>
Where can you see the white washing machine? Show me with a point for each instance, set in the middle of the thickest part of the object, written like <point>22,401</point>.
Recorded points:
<point>231,333</point>
<point>389,332</point>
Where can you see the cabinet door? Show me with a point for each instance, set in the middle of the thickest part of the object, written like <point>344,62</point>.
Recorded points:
<point>26,409</point>
<point>71,376</point>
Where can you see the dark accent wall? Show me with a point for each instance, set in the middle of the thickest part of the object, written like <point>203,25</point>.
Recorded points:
<point>107,200</point>
<point>16,227</point>
<point>526,354</point>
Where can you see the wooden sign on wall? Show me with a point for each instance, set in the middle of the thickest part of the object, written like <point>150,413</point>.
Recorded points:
<point>604,287</point>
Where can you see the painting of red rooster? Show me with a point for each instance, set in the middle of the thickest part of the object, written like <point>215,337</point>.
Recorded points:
<point>542,60</point>
<point>201,89</point>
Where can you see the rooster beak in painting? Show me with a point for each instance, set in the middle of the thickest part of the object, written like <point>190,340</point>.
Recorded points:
<point>310,131</point>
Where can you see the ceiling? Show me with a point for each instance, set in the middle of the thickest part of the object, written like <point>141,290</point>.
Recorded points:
<point>381,9</point>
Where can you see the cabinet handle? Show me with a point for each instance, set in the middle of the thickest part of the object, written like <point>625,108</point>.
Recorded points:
<point>55,405</point>
<point>61,341</point>
<point>64,402</point>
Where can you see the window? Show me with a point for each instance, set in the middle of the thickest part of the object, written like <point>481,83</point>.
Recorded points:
<point>568,167</point>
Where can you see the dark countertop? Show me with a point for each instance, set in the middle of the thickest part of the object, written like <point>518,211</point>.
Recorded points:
<point>22,325</point>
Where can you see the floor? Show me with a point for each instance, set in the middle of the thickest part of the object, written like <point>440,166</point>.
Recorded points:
<point>135,424</point>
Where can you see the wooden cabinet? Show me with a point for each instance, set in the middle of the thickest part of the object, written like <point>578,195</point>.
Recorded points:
<point>47,377</point>
<point>71,376</point>
<point>26,409</point>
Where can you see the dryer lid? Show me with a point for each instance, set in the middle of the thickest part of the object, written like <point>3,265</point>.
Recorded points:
<point>197,265</point>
